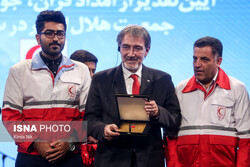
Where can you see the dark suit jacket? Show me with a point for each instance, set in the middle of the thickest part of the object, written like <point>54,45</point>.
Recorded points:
<point>101,109</point>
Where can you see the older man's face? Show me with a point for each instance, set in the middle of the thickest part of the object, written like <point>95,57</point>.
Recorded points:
<point>133,52</point>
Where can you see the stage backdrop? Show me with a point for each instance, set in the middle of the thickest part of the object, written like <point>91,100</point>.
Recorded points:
<point>93,25</point>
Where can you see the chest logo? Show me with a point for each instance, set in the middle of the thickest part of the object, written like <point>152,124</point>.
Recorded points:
<point>72,90</point>
<point>221,112</point>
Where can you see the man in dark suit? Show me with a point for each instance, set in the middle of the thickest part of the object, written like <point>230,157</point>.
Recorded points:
<point>102,114</point>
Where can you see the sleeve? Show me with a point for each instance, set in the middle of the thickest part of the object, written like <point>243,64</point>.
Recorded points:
<point>94,112</point>
<point>170,119</point>
<point>242,117</point>
<point>84,90</point>
<point>243,154</point>
<point>82,130</point>
<point>169,108</point>
<point>13,106</point>
<point>88,154</point>
<point>170,144</point>
<point>170,151</point>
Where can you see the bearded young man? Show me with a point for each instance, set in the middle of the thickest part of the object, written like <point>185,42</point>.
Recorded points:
<point>50,87</point>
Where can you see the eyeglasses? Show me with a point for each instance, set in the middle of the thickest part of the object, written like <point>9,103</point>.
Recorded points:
<point>136,49</point>
<point>51,34</point>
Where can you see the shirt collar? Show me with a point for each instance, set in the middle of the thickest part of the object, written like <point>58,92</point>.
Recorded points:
<point>221,79</point>
<point>128,73</point>
<point>52,64</point>
<point>49,62</point>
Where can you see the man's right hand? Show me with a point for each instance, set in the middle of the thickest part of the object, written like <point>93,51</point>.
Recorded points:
<point>111,131</point>
<point>41,147</point>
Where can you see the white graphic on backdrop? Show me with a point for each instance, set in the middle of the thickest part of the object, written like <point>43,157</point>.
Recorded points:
<point>137,5</point>
<point>85,24</point>
<point>99,23</point>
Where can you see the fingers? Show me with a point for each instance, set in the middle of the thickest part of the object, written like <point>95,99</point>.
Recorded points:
<point>111,130</point>
<point>56,144</point>
<point>58,147</point>
<point>114,128</point>
<point>56,156</point>
<point>42,147</point>
<point>151,108</point>
<point>57,152</point>
<point>53,150</point>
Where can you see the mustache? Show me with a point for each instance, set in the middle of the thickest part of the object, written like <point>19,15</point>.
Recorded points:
<point>198,70</point>
<point>131,58</point>
<point>54,43</point>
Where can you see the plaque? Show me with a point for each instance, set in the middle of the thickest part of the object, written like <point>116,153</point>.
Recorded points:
<point>133,118</point>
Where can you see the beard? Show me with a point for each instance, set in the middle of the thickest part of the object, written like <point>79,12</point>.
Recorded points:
<point>52,51</point>
<point>132,63</point>
<point>131,67</point>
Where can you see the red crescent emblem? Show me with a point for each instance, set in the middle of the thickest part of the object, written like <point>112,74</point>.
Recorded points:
<point>221,112</point>
<point>72,91</point>
<point>30,53</point>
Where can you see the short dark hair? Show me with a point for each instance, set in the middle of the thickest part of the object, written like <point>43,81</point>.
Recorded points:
<point>135,31</point>
<point>214,43</point>
<point>49,16</point>
<point>83,56</point>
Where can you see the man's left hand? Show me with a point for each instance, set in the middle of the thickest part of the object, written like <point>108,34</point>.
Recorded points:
<point>151,108</point>
<point>59,150</point>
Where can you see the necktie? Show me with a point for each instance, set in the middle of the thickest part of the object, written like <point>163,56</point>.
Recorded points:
<point>136,85</point>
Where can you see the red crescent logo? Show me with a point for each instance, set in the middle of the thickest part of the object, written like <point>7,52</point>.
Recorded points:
<point>221,112</point>
<point>30,53</point>
<point>70,90</point>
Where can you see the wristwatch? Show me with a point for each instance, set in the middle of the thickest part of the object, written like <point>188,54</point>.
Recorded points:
<point>72,147</point>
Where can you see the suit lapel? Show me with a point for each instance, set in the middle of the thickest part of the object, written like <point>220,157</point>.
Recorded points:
<point>146,81</point>
<point>119,83</point>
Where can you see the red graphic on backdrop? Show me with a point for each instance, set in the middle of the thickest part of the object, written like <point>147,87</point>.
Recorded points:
<point>30,53</point>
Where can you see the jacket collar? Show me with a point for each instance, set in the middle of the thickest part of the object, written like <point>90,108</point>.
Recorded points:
<point>146,81</point>
<point>37,63</point>
<point>66,64</point>
<point>222,81</point>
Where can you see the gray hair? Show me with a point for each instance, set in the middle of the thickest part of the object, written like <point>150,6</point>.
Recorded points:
<point>136,31</point>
